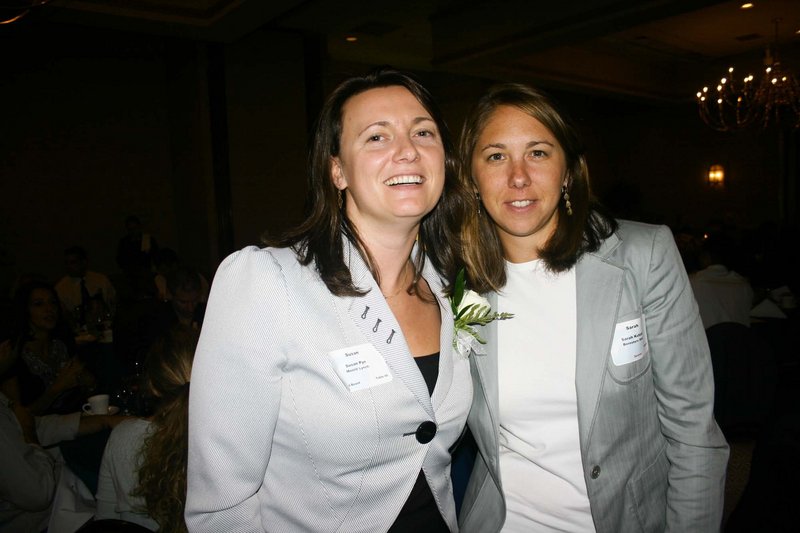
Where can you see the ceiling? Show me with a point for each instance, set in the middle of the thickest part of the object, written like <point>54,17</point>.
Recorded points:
<point>651,49</point>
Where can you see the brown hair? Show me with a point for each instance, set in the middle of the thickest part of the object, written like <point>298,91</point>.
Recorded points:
<point>162,474</point>
<point>319,237</point>
<point>582,231</point>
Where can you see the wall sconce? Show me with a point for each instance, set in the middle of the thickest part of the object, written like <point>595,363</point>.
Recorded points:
<point>716,177</point>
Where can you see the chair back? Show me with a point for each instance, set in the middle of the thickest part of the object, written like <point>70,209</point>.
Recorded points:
<point>745,377</point>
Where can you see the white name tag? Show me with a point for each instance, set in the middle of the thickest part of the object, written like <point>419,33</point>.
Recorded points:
<point>360,367</point>
<point>630,342</point>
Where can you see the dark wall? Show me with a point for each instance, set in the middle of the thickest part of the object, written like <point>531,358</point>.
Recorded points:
<point>267,123</point>
<point>98,125</point>
<point>85,140</point>
<point>650,162</point>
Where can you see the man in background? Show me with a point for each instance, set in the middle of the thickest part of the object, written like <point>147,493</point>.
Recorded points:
<point>81,286</point>
<point>722,294</point>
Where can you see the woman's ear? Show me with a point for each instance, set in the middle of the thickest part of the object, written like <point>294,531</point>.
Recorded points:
<point>337,175</point>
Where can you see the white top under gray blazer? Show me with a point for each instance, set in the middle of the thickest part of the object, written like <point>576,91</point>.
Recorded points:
<point>276,440</point>
<point>653,457</point>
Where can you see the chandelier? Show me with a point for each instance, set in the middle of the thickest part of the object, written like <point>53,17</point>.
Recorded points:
<point>747,102</point>
<point>13,10</point>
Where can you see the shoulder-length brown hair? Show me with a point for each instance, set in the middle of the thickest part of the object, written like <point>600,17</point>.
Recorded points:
<point>582,231</point>
<point>162,471</point>
<point>319,237</point>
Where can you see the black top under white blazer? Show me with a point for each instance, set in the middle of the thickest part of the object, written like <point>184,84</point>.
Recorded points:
<point>277,442</point>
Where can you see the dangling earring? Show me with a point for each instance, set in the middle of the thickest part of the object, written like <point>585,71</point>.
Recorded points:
<point>478,199</point>
<point>339,200</point>
<point>567,203</point>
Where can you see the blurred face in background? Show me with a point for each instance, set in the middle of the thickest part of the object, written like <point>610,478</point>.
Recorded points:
<point>43,310</point>
<point>75,265</point>
<point>184,302</point>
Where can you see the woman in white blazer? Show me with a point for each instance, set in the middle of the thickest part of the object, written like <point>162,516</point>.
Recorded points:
<point>593,408</point>
<point>325,392</point>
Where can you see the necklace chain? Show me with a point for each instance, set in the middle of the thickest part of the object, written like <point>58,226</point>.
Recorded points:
<point>402,283</point>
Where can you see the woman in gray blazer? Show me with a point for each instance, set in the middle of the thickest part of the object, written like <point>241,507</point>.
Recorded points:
<point>325,392</point>
<point>593,407</point>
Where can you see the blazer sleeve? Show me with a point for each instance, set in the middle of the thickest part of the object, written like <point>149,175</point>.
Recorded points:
<point>29,474</point>
<point>684,386</point>
<point>235,393</point>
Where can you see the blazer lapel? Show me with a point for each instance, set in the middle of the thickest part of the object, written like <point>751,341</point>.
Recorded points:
<point>599,289</point>
<point>485,377</point>
<point>446,354</point>
<point>376,322</point>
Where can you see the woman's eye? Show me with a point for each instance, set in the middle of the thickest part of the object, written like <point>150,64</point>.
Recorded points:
<point>538,153</point>
<point>425,133</point>
<point>375,138</point>
<point>495,157</point>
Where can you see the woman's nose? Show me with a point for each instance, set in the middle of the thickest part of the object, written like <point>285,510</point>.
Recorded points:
<point>518,176</point>
<point>406,150</point>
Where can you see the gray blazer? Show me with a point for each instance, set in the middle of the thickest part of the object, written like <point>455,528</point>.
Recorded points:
<point>653,457</point>
<point>277,442</point>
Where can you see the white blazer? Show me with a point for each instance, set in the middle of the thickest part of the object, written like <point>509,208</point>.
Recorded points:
<point>276,440</point>
<point>653,457</point>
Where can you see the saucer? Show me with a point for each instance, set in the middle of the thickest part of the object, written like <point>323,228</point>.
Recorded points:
<point>112,410</point>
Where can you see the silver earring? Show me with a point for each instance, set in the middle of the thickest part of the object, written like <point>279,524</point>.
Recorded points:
<point>478,200</point>
<point>339,200</point>
<point>567,203</point>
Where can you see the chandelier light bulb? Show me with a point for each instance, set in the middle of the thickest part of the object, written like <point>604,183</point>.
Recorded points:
<point>754,101</point>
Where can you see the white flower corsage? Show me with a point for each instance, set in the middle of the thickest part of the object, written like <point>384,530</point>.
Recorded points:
<point>470,309</point>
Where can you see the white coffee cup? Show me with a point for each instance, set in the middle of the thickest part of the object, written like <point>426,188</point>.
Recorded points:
<point>96,405</point>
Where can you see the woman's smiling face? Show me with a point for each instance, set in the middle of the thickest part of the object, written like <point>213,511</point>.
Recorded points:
<point>519,168</point>
<point>391,161</point>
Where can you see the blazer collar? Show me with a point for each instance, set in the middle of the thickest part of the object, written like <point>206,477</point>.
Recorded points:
<point>485,376</point>
<point>376,322</point>
<point>599,289</point>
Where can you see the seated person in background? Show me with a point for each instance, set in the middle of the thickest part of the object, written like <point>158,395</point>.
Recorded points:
<point>134,253</point>
<point>184,310</point>
<point>689,247</point>
<point>143,473</point>
<point>46,371</point>
<point>722,295</point>
<point>165,263</point>
<point>188,300</point>
<point>80,286</point>
<point>29,472</point>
